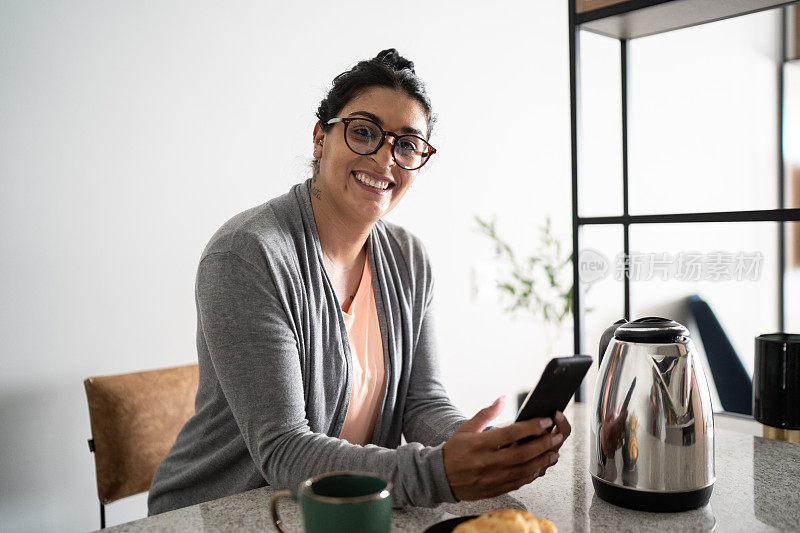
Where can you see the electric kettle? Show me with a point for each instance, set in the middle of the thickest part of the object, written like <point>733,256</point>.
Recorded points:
<point>652,427</point>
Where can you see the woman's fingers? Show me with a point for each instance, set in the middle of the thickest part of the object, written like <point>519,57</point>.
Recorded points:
<point>527,472</point>
<point>519,476</point>
<point>563,427</point>
<point>525,452</point>
<point>477,423</point>
<point>504,436</point>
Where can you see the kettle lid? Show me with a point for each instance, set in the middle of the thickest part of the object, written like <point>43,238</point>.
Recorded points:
<point>652,330</point>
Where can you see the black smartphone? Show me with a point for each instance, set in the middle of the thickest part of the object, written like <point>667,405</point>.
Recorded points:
<point>561,378</point>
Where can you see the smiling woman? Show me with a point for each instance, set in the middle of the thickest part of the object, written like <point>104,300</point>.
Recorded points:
<point>315,337</point>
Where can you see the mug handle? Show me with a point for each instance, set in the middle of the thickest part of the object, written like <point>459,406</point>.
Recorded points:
<point>273,509</point>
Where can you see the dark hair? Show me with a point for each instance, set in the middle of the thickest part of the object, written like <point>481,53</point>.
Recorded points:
<point>387,69</point>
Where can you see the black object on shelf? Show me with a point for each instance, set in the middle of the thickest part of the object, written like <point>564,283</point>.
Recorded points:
<point>776,387</point>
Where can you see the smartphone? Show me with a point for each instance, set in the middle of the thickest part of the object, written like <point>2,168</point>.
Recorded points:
<point>561,378</point>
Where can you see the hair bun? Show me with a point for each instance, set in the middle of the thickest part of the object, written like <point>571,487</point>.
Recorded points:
<point>392,58</point>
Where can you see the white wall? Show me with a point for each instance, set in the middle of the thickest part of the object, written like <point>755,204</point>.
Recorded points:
<point>132,130</point>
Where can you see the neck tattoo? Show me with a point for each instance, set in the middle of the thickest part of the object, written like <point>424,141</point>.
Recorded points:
<point>314,189</point>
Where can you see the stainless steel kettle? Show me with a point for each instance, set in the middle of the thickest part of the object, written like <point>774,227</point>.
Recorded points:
<point>652,426</point>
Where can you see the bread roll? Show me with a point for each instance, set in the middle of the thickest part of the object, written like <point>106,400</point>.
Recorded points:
<point>506,521</point>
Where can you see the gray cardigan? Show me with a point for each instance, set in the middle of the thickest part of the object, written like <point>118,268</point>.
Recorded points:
<point>275,366</point>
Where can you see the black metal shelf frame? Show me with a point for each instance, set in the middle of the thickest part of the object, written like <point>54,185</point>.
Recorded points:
<point>632,19</point>
<point>637,18</point>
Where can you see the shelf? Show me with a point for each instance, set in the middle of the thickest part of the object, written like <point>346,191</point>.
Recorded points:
<point>639,18</point>
<point>630,19</point>
<point>763,215</point>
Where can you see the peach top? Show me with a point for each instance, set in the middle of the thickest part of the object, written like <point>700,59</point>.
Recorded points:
<point>366,348</point>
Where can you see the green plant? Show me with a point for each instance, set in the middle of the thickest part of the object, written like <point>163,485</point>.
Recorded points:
<point>540,283</point>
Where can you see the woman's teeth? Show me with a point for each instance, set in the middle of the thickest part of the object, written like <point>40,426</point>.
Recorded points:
<point>365,179</point>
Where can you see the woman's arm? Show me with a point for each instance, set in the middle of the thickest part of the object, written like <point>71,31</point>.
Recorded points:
<point>254,352</point>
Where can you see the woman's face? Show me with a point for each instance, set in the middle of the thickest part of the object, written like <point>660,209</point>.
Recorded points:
<point>343,173</point>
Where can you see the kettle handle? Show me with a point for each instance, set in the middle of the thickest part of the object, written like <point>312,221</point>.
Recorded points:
<point>605,339</point>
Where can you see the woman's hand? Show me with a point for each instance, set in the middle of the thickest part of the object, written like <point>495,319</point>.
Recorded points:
<point>482,464</point>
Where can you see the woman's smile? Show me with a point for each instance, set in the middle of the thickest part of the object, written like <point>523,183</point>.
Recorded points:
<point>373,183</point>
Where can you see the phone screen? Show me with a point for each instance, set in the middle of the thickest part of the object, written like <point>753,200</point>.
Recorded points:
<point>561,378</point>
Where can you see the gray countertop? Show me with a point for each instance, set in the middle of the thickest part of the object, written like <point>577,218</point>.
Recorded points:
<point>757,489</point>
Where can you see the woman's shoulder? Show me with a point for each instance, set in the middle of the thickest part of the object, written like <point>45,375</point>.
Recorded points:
<point>261,232</point>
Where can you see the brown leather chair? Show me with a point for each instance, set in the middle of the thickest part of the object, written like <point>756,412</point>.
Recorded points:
<point>135,419</point>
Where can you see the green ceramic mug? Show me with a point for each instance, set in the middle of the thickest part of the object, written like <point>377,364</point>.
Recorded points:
<point>341,502</point>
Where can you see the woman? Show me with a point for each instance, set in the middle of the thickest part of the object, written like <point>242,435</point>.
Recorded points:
<point>315,333</point>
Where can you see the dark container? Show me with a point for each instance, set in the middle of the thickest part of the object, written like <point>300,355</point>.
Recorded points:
<point>776,380</point>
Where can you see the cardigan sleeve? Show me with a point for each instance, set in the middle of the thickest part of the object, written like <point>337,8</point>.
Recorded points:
<point>255,359</point>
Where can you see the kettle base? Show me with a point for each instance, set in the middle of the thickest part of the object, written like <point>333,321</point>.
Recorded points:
<point>657,502</point>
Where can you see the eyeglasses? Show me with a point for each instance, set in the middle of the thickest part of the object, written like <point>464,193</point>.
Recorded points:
<point>365,137</point>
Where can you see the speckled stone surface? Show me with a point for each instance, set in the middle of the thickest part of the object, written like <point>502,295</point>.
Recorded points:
<point>757,489</point>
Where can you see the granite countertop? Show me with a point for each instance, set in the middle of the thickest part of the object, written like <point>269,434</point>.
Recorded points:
<point>757,489</point>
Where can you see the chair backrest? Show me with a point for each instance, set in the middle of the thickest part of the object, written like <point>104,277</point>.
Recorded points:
<point>135,419</point>
<point>733,383</point>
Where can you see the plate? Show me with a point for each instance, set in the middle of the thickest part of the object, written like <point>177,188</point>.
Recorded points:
<point>446,526</point>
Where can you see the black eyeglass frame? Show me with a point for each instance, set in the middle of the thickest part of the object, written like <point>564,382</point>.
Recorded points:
<point>384,134</point>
